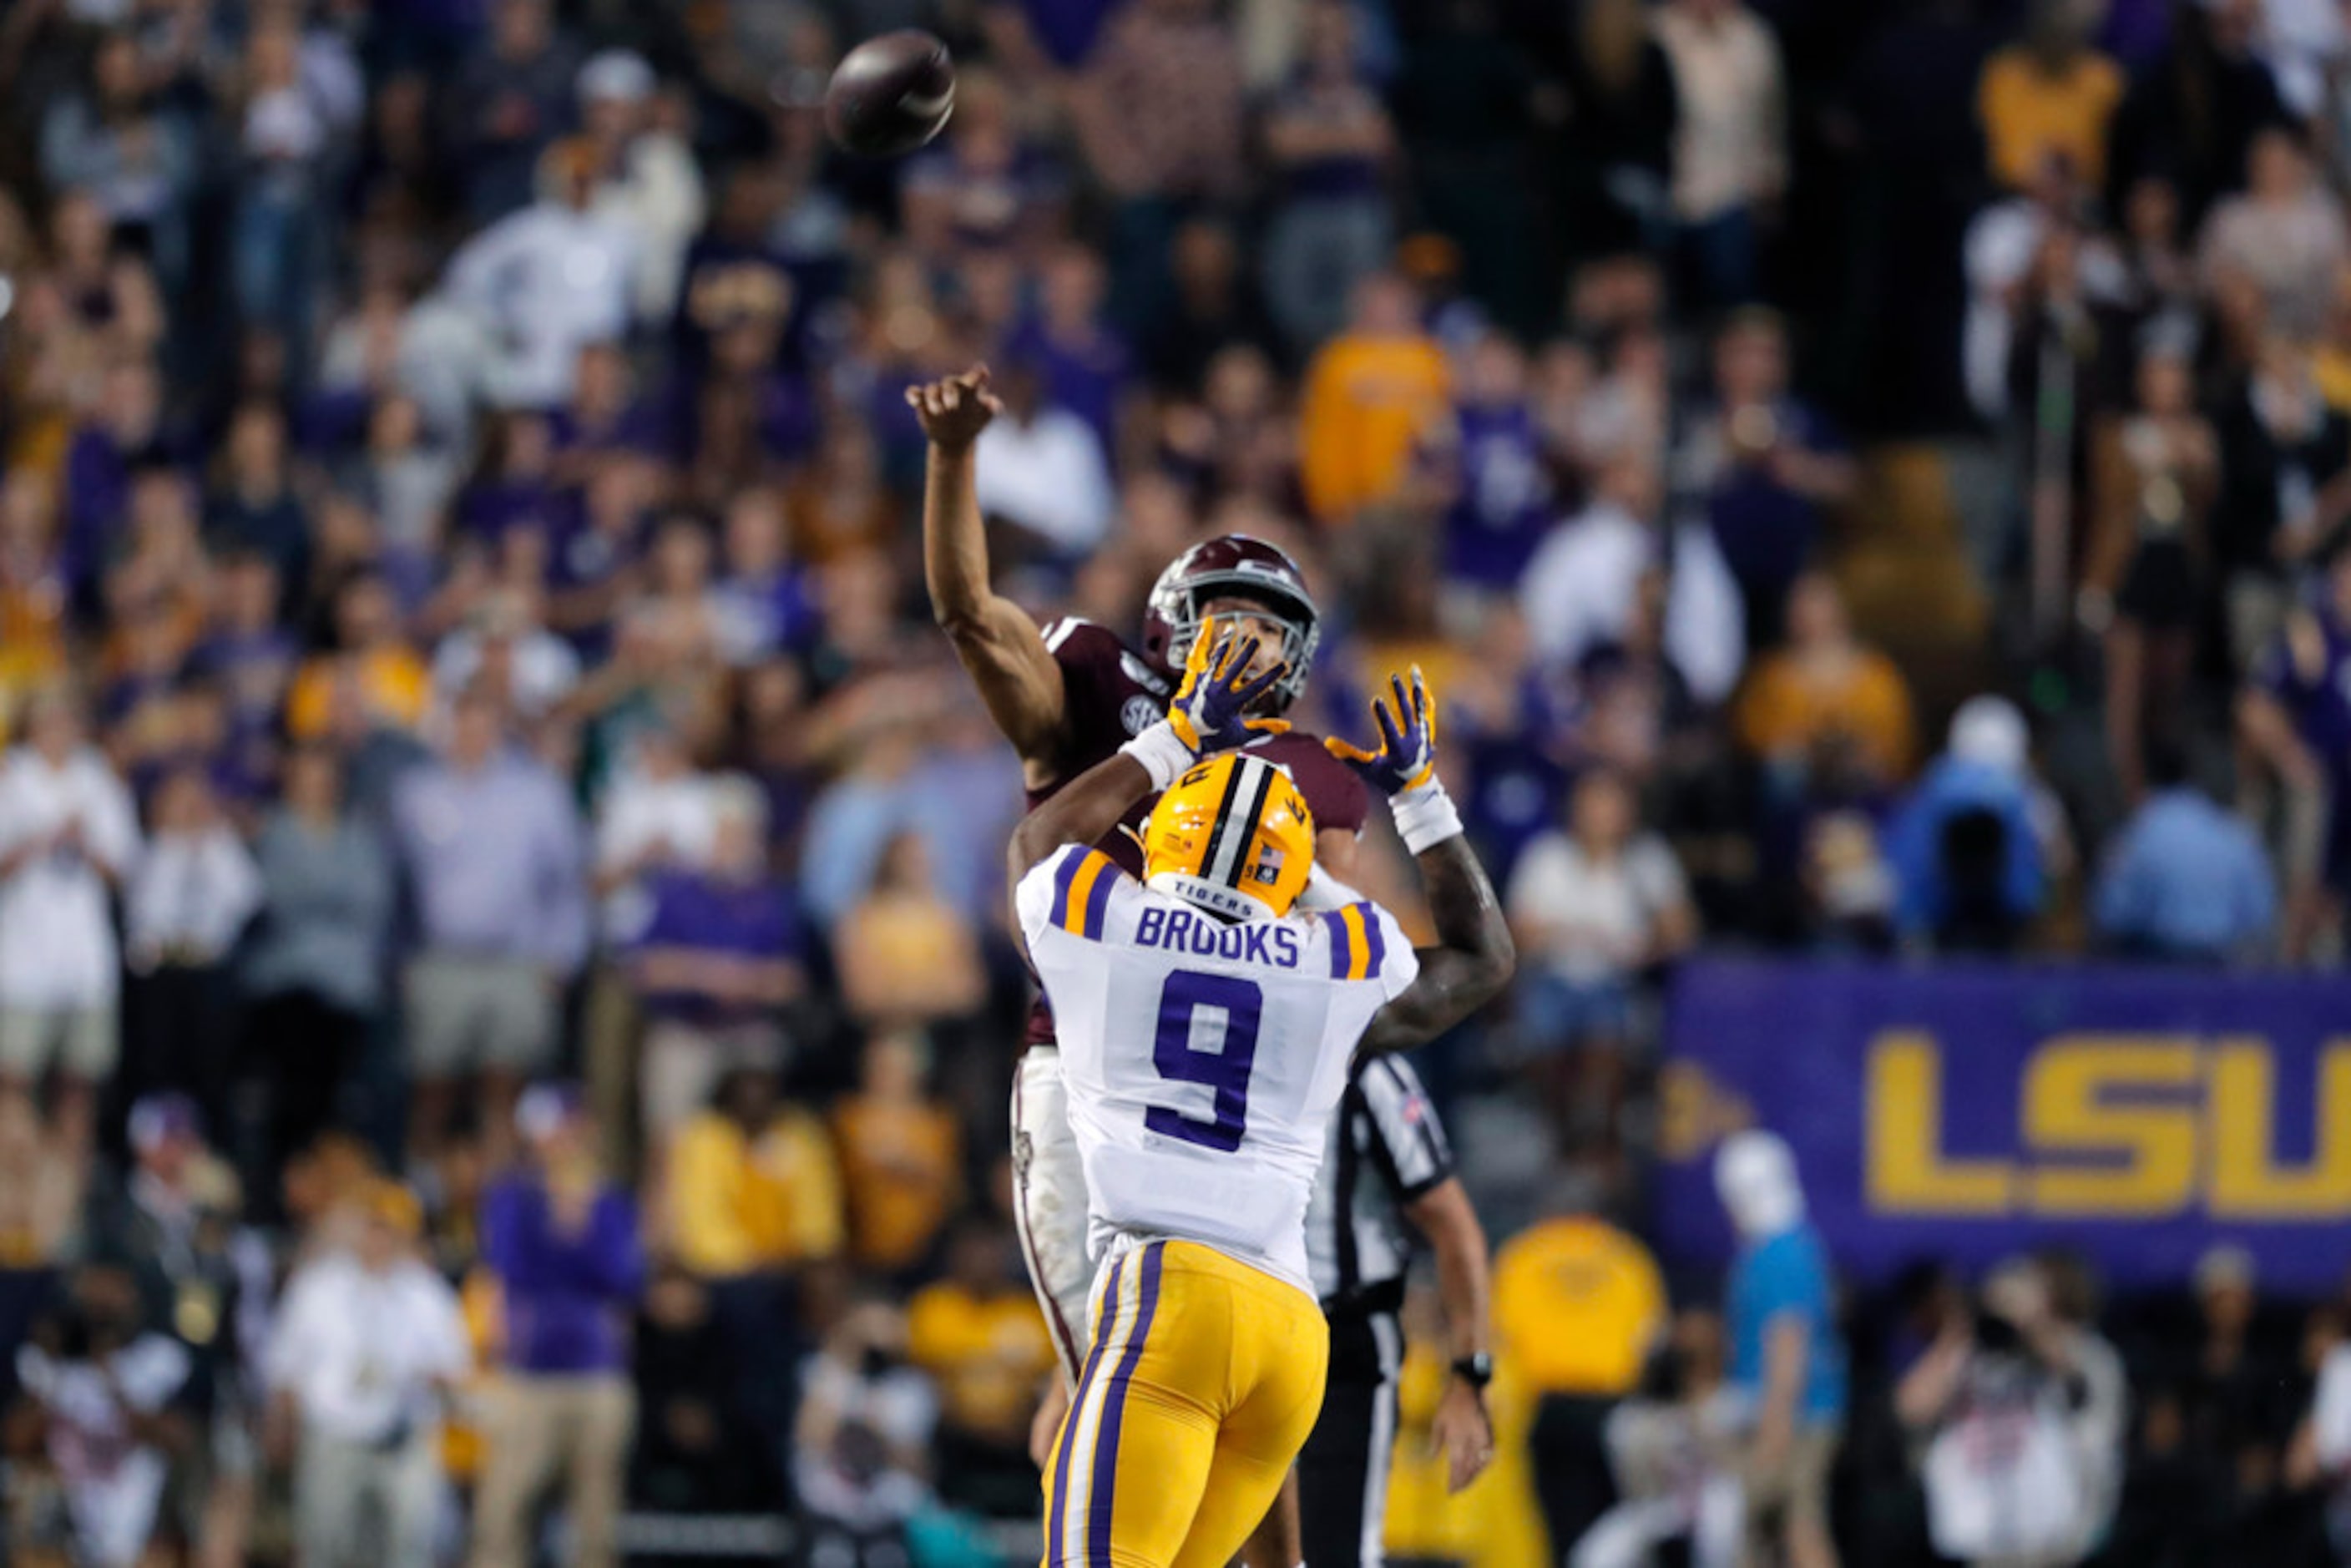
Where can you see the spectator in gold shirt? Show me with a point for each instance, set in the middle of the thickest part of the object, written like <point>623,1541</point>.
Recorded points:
<point>908,957</point>
<point>1578,1306</point>
<point>2049,94</point>
<point>1826,688</point>
<point>753,1204</point>
<point>372,648</point>
<point>981,1336</point>
<point>753,1185</point>
<point>1369,393</point>
<point>901,1157</point>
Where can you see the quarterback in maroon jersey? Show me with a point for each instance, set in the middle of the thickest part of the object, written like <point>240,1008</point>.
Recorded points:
<point>1070,695</point>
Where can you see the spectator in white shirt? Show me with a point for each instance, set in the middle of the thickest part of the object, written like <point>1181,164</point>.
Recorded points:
<point>860,1447</point>
<point>2321,1454</point>
<point>2017,1415</point>
<point>286,143</point>
<point>1043,469</point>
<point>659,814</point>
<point>2284,234</point>
<point>648,182</point>
<point>67,833</point>
<point>102,1388</point>
<point>2304,43</point>
<point>547,282</point>
<point>1672,1449</point>
<point>1580,590</point>
<point>1731,138</point>
<point>1592,908</point>
<point>367,1345</point>
<point>508,650</point>
<point>188,899</point>
<point>2002,245</point>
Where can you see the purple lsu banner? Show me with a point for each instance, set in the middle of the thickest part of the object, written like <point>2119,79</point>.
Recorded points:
<point>1967,1112</point>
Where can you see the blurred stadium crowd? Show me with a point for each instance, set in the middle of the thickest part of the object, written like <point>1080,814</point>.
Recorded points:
<point>461,630</point>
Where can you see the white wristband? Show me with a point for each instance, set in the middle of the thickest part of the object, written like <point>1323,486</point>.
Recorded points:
<point>1162,752</point>
<point>1424,817</point>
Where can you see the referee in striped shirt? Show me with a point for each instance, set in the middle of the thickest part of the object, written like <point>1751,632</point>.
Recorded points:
<point>1387,1174</point>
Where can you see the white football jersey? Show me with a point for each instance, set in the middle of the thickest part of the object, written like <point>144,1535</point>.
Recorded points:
<point>1203,1060</point>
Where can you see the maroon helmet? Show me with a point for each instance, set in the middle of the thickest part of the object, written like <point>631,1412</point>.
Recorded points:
<point>1233,566</point>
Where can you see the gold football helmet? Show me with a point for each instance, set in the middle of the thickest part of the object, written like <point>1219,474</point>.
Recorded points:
<point>1232,835</point>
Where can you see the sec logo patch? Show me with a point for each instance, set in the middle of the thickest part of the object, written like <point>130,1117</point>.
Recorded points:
<point>1139,714</point>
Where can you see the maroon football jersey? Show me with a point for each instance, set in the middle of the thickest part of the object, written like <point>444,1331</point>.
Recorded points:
<point>1112,696</point>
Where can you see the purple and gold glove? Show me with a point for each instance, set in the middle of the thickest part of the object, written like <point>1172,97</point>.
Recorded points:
<point>1211,710</point>
<point>1404,769</point>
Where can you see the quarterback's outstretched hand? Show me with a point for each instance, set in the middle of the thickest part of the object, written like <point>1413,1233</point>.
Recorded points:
<point>1407,720</point>
<point>1211,710</point>
<point>954,411</point>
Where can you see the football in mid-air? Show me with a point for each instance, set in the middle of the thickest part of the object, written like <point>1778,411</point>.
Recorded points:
<point>891,94</point>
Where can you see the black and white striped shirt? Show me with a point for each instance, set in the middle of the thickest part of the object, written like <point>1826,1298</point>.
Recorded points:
<point>1387,1150</point>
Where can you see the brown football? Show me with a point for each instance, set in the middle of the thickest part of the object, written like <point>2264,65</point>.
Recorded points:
<point>891,94</point>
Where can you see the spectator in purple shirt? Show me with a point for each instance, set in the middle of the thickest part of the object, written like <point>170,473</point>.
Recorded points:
<point>511,99</point>
<point>102,463</point>
<point>604,414</point>
<point>982,187</point>
<point>252,505</point>
<point>2295,717</point>
<point>593,559</point>
<point>716,964</point>
<point>1502,487</point>
<point>494,850</point>
<point>1215,304</point>
<point>1086,365</point>
<point>746,415</point>
<point>563,1244</point>
<point>514,485</point>
<point>1765,466</point>
<point>1063,30</point>
<point>1331,140</point>
<point>2135,32</point>
<point>764,601</point>
<point>736,265</point>
<point>250,655</point>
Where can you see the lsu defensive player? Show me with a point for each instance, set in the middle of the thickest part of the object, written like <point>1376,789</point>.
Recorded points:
<point>1068,696</point>
<point>1206,1025</point>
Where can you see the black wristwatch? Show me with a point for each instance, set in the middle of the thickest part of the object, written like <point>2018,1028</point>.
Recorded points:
<point>1477,1371</point>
